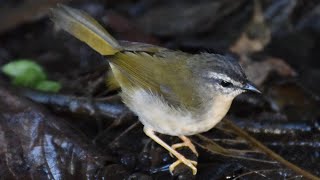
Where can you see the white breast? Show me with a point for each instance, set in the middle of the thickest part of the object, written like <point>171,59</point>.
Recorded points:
<point>155,114</point>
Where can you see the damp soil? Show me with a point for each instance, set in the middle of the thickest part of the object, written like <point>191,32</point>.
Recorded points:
<point>85,132</point>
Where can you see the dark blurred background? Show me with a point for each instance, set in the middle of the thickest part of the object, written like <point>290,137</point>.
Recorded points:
<point>84,132</point>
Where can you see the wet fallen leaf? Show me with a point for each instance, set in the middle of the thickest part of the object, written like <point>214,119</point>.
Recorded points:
<point>37,144</point>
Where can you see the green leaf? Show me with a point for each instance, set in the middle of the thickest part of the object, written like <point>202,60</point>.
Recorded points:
<point>30,78</point>
<point>23,67</point>
<point>48,86</point>
<point>29,74</point>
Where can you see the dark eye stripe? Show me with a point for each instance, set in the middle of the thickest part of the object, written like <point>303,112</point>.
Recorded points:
<point>225,83</point>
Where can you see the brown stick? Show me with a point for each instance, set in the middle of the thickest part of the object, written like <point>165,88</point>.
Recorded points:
<point>268,151</point>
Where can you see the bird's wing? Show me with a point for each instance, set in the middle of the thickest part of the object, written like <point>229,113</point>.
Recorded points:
<point>164,74</point>
<point>140,47</point>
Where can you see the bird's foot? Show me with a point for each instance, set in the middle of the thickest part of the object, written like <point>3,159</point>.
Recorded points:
<point>181,159</point>
<point>186,143</point>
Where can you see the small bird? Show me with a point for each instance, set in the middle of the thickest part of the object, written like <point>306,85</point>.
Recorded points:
<point>172,92</point>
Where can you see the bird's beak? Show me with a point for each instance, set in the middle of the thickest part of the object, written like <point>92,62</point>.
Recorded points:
<point>250,87</point>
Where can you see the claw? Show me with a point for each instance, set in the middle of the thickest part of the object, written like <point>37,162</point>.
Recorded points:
<point>190,146</point>
<point>191,164</point>
<point>186,143</point>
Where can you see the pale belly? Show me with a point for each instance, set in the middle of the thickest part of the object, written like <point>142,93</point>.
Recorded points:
<point>158,116</point>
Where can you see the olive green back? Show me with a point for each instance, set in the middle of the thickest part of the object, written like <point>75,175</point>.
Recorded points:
<point>164,73</point>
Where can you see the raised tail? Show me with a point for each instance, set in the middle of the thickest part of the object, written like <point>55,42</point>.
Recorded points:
<point>85,28</point>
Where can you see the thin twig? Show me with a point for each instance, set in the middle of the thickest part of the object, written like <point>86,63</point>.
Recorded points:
<point>257,172</point>
<point>217,149</point>
<point>268,151</point>
<point>124,133</point>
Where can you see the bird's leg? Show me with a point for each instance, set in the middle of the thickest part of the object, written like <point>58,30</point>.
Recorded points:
<point>181,159</point>
<point>186,142</point>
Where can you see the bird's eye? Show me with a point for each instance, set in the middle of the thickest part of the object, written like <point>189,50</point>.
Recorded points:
<point>225,83</point>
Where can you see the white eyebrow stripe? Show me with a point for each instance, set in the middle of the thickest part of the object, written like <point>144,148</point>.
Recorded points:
<point>223,77</point>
